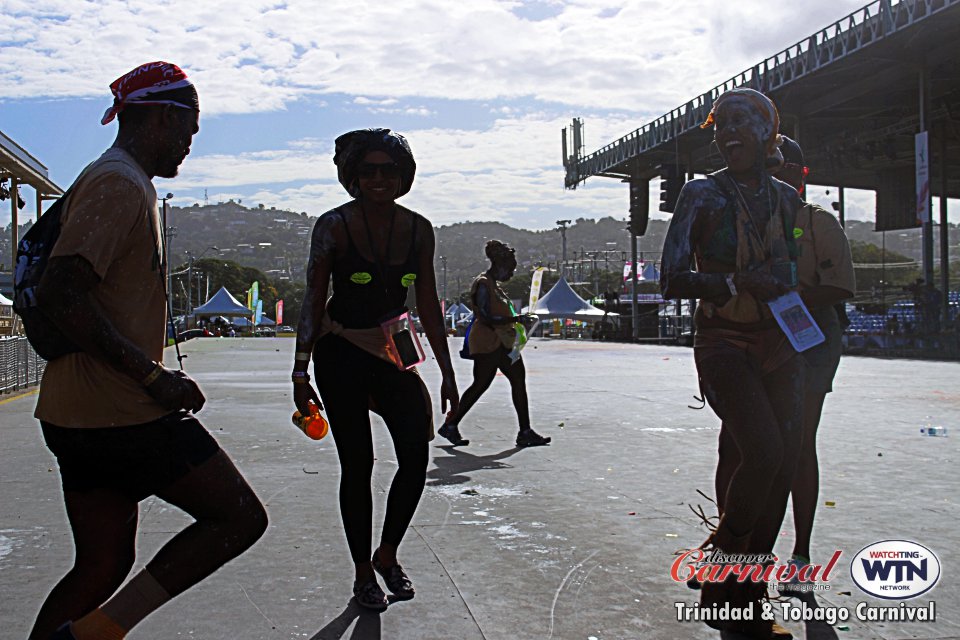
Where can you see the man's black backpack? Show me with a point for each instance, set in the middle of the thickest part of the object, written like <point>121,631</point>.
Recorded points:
<point>33,253</point>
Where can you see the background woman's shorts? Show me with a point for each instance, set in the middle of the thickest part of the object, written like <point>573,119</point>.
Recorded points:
<point>137,460</point>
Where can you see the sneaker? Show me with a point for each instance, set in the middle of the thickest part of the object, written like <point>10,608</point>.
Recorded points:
<point>63,633</point>
<point>794,588</point>
<point>398,582</point>
<point>452,433</point>
<point>530,438</point>
<point>370,596</point>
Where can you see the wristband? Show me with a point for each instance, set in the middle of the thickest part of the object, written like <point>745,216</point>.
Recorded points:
<point>301,356</point>
<point>732,287</point>
<point>152,376</point>
<point>300,377</point>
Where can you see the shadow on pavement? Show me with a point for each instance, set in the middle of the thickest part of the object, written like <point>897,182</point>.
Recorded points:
<point>368,624</point>
<point>452,469</point>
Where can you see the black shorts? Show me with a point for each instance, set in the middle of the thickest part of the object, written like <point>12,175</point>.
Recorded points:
<point>138,460</point>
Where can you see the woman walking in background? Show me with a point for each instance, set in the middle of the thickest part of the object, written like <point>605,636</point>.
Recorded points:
<point>374,250</point>
<point>492,337</point>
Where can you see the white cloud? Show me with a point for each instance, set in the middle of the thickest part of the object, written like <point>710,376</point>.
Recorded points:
<point>504,172</point>
<point>651,55</point>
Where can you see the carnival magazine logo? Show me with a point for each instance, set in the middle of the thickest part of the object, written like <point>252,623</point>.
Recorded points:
<point>895,569</point>
<point>718,566</point>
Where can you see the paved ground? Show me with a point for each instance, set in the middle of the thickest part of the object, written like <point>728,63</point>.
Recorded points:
<point>571,541</point>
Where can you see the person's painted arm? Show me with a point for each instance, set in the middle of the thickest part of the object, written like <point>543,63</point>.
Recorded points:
<point>678,279</point>
<point>431,316</point>
<point>64,295</point>
<point>323,244</point>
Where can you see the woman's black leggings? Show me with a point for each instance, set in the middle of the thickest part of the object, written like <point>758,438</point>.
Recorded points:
<point>760,441</point>
<point>485,367</point>
<point>353,382</point>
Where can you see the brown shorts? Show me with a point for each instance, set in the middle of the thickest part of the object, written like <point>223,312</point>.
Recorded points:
<point>137,461</point>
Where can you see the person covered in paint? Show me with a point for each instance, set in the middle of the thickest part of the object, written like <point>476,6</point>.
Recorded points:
<point>736,225</point>
<point>119,422</point>
<point>825,270</point>
<point>492,336</point>
<point>374,250</point>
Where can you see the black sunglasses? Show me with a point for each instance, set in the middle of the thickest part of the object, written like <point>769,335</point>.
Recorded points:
<point>386,169</point>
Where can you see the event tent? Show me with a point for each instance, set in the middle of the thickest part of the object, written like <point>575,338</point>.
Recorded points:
<point>222,304</point>
<point>563,302</point>
<point>246,322</point>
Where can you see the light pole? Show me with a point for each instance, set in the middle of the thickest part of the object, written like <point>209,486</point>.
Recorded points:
<point>168,234</point>
<point>443,261</point>
<point>190,261</point>
<point>563,236</point>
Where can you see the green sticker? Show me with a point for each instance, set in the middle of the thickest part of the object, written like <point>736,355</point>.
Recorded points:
<point>408,279</point>
<point>361,277</point>
<point>797,232</point>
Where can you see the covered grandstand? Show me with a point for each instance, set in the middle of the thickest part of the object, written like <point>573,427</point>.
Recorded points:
<point>862,95</point>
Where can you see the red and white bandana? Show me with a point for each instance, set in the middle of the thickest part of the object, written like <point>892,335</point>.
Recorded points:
<point>148,84</point>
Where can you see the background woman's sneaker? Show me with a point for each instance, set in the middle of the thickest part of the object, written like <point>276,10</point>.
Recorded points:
<point>530,438</point>
<point>452,433</point>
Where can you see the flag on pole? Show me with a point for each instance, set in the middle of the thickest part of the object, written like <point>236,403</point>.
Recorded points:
<point>253,296</point>
<point>258,313</point>
<point>627,270</point>
<point>535,284</point>
<point>279,312</point>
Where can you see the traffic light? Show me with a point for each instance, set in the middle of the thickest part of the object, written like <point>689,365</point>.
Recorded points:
<point>672,179</point>
<point>639,206</point>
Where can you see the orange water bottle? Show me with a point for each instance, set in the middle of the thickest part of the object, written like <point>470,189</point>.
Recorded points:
<point>314,424</point>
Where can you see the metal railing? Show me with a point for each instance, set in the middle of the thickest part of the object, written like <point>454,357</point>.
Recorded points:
<point>868,25</point>
<point>20,366</point>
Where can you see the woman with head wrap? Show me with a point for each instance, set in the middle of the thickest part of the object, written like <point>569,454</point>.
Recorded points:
<point>374,250</point>
<point>736,225</point>
<point>492,337</point>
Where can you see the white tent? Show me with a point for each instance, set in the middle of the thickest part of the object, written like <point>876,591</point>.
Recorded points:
<point>564,303</point>
<point>456,310</point>
<point>222,304</point>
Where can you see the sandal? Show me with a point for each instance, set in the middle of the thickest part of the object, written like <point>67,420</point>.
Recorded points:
<point>530,438</point>
<point>452,433</point>
<point>396,579</point>
<point>369,595</point>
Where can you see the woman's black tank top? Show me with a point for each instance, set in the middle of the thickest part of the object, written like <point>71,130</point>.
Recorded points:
<point>366,293</point>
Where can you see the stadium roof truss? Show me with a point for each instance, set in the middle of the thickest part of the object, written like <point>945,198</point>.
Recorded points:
<point>854,94</point>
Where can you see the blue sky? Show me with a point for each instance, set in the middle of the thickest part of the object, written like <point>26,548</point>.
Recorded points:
<point>481,89</point>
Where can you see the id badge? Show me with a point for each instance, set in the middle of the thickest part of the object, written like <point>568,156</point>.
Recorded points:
<point>402,341</point>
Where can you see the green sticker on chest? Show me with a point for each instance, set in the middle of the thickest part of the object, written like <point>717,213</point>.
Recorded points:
<point>408,279</point>
<point>797,233</point>
<point>361,277</point>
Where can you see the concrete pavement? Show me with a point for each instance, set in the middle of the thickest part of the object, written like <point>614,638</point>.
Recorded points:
<point>570,541</point>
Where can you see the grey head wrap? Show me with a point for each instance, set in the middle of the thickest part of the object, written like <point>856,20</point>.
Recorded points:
<point>352,147</point>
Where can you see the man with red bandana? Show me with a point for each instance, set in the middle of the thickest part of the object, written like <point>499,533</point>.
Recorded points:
<point>121,424</point>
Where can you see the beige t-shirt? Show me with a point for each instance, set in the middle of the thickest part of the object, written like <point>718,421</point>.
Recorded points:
<point>825,257</point>
<point>107,220</point>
